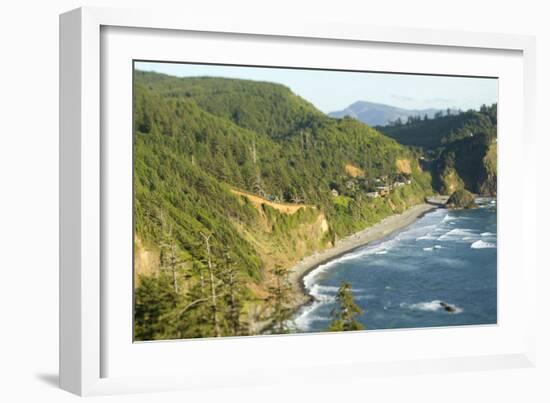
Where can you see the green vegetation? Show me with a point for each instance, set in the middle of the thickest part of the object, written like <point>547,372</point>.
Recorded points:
<point>460,149</point>
<point>279,300</point>
<point>344,317</point>
<point>473,161</point>
<point>461,199</point>
<point>433,133</point>
<point>196,141</point>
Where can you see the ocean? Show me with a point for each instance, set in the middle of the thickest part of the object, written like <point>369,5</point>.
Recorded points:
<point>447,256</point>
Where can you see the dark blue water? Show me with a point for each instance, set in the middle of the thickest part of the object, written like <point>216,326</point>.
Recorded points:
<point>399,282</point>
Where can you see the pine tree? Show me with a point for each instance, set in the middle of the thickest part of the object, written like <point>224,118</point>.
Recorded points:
<point>169,258</point>
<point>280,297</point>
<point>344,317</point>
<point>234,289</point>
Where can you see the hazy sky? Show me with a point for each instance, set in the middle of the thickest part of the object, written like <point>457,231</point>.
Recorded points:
<point>334,90</point>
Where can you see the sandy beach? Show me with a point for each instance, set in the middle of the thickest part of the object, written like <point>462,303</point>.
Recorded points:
<point>378,231</point>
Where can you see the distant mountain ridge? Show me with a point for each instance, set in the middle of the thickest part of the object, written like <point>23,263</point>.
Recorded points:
<point>374,114</point>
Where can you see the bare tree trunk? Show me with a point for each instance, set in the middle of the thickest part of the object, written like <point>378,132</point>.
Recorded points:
<point>212,286</point>
<point>202,283</point>
<point>234,308</point>
<point>169,246</point>
<point>254,151</point>
<point>174,266</point>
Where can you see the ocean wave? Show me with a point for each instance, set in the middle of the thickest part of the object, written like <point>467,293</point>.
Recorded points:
<point>431,248</point>
<point>487,234</point>
<point>307,317</point>
<point>381,248</point>
<point>482,245</point>
<point>327,288</point>
<point>416,231</point>
<point>427,237</point>
<point>311,278</point>
<point>320,294</point>
<point>432,306</point>
<point>456,233</point>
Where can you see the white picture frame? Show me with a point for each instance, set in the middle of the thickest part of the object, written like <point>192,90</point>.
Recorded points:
<point>87,349</point>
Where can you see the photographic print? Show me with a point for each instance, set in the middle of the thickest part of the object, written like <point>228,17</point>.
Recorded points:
<point>271,200</point>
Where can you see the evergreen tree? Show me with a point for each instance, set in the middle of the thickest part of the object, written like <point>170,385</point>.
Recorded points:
<point>234,289</point>
<point>344,317</point>
<point>280,297</point>
<point>154,299</point>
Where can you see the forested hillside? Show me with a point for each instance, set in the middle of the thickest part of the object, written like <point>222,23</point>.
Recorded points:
<point>462,148</point>
<point>209,255</point>
<point>443,128</point>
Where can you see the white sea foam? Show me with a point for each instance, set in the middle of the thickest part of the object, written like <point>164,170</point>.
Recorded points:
<point>311,278</point>
<point>482,245</point>
<point>427,237</point>
<point>377,249</point>
<point>327,288</point>
<point>321,293</point>
<point>456,233</point>
<point>431,306</point>
<point>428,249</point>
<point>307,317</point>
<point>487,234</point>
<point>438,246</point>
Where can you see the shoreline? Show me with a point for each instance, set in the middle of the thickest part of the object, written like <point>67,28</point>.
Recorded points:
<point>346,245</point>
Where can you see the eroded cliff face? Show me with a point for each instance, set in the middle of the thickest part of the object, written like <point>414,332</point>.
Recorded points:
<point>469,164</point>
<point>146,260</point>
<point>280,237</point>
<point>488,185</point>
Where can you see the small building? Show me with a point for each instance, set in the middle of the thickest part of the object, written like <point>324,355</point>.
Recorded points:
<point>383,190</point>
<point>398,184</point>
<point>334,192</point>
